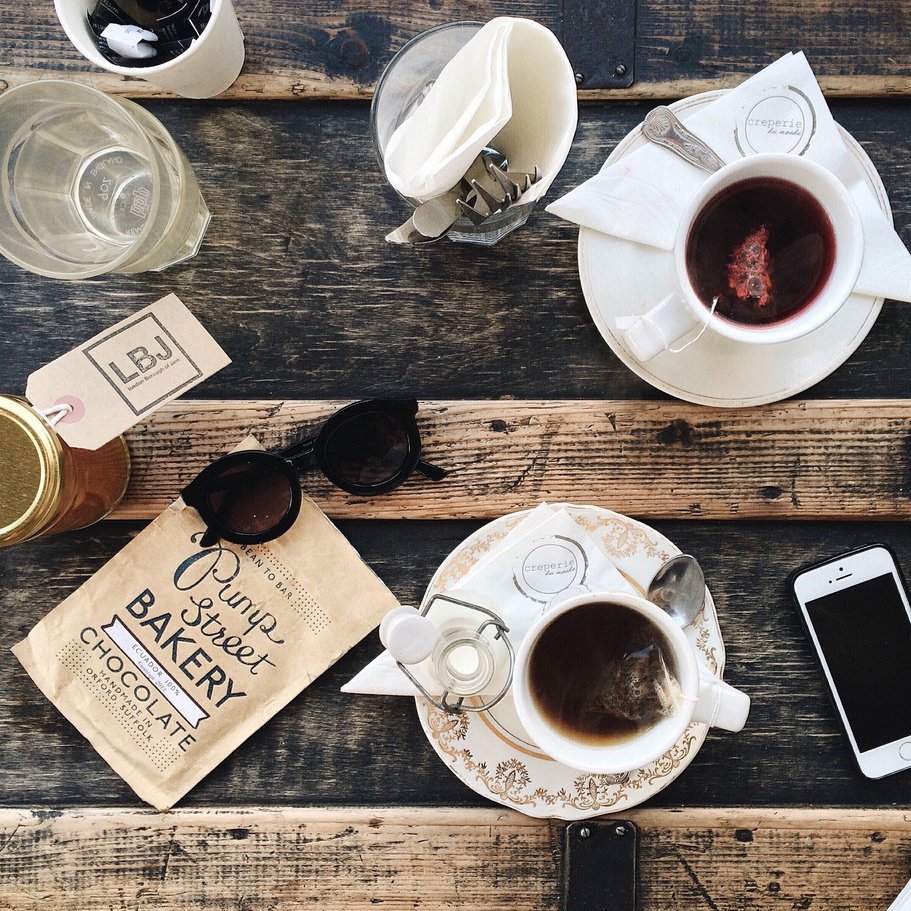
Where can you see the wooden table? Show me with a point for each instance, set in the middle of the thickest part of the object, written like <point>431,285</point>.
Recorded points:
<point>339,802</point>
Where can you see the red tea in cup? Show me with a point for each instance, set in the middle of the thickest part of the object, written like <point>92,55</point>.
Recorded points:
<point>761,250</point>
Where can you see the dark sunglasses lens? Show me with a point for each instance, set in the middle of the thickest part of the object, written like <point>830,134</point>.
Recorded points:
<point>250,497</point>
<point>368,450</point>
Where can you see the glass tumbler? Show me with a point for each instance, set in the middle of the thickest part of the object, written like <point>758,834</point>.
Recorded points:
<point>92,184</point>
<point>402,87</point>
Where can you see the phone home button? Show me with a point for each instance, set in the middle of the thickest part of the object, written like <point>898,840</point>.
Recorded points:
<point>905,750</point>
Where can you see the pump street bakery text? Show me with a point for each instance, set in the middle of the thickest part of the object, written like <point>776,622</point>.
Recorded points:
<point>203,641</point>
<point>173,653</point>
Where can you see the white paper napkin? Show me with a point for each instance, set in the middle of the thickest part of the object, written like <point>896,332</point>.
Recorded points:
<point>642,197</point>
<point>511,87</point>
<point>546,553</point>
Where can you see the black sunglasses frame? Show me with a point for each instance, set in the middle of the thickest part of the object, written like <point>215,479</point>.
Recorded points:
<point>300,457</point>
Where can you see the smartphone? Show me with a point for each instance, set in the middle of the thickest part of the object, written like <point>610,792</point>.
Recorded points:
<point>857,614</point>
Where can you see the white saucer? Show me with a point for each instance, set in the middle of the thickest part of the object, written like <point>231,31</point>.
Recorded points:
<point>491,752</point>
<point>714,370</point>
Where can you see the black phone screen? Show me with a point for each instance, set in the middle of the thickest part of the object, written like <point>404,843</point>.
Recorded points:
<point>865,636</point>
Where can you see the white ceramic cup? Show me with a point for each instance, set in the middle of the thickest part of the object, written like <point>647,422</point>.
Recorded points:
<point>681,311</point>
<point>704,697</point>
<point>209,66</point>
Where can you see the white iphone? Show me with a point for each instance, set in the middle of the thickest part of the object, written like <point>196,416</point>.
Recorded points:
<point>858,617</point>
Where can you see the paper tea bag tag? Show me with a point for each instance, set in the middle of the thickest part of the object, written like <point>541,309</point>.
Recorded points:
<point>121,376</point>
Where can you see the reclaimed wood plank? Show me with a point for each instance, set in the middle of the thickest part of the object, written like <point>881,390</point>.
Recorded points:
<point>295,281</point>
<point>330,749</point>
<point>838,860</point>
<point>257,87</point>
<point>797,460</point>
<point>333,50</point>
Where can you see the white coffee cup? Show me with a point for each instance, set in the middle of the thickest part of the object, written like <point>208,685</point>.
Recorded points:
<point>682,311</point>
<point>703,697</point>
<point>208,67</point>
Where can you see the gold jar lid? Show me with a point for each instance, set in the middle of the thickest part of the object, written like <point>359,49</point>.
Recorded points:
<point>30,471</point>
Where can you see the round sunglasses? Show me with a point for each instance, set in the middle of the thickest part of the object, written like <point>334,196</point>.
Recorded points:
<point>366,448</point>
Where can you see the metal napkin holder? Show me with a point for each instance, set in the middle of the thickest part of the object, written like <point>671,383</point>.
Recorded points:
<point>486,619</point>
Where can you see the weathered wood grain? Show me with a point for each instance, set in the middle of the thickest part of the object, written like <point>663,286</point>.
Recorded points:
<point>837,860</point>
<point>295,281</point>
<point>332,50</point>
<point>276,87</point>
<point>330,749</point>
<point>797,460</point>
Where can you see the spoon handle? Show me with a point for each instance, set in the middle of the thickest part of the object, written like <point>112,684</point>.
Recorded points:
<point>663,127</point>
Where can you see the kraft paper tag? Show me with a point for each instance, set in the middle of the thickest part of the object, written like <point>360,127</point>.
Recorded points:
<point>121,376</point>
<point>172,654</point>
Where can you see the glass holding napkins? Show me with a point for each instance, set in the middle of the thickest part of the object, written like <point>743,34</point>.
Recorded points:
<point>547,553</point>
<point>461,88</point>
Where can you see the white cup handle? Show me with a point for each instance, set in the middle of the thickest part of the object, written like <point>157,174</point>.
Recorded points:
<point>667,322</point>
<point>719,704</point>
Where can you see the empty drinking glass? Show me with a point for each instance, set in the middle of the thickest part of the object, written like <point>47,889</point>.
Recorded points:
<point>92,184</point>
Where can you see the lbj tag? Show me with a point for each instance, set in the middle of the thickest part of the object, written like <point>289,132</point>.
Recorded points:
<point>124,374</point>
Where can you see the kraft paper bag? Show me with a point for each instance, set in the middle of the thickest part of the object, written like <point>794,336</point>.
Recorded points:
<point>171,655</point>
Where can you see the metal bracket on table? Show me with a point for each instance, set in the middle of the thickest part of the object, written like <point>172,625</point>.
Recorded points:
<point>599,37</point>
<point>600,860</point>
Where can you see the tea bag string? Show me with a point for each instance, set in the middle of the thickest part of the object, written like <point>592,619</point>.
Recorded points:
<point>55,413</point>
<point>647,319</point>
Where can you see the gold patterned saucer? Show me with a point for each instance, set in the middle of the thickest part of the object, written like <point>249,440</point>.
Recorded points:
<point>491,752</point>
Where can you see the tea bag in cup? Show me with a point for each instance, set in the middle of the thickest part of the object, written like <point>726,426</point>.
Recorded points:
<point>638,686</point>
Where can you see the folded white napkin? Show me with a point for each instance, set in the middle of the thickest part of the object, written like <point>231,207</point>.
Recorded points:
<point>510,87</point>
<point>780,109</point>
<point>546,553</point>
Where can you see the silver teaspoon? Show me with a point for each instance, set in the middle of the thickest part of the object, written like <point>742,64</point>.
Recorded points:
<point>679,589</point>
<point>663,127</point>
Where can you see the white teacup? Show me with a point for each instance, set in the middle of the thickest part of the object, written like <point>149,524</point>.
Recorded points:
<point>208,67</point>
<point>703,697</point>
<point>682,311</point>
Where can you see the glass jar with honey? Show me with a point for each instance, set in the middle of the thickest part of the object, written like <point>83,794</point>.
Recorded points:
<point>47,486</point>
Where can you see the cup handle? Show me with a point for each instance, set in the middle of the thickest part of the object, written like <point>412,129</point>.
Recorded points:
<point>667,322</point>
<point>720,705</point>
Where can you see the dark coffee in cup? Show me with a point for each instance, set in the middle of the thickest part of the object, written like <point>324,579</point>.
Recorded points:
<point>602,674</point>
<point>761,250</point>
